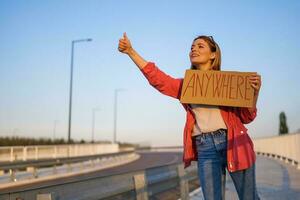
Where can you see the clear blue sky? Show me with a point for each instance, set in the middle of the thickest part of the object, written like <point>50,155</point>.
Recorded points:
<point>261,36</point>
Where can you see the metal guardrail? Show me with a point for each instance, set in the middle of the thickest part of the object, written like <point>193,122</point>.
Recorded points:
<point>160,182</point>
<point>33,166</point>
<point>18,165</point>
<point>152,183</point>
<point>284,147</point>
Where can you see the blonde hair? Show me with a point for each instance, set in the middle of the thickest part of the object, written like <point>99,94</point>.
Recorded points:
<point>214,47</point>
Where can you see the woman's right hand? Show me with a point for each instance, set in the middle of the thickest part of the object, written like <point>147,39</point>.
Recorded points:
<point>124,44</point>
<point>125,47</point>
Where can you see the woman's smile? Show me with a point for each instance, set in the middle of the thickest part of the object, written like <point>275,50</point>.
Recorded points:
<point>194,55</point>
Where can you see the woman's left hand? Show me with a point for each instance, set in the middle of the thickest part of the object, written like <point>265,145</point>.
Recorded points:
<point>255,82</point>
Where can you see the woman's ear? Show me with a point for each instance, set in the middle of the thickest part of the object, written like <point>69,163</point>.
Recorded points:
<point>213,55</point>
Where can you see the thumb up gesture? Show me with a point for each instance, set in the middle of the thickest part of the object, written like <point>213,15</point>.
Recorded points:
<point>124,44</point>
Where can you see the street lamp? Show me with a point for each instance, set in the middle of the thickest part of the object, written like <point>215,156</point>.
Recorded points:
<point>115,113</point>
<point>71,83</point>
<point>93,123</point>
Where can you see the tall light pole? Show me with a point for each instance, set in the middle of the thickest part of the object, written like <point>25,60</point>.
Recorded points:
<point>71,83</point>
<point>115,114</point>
<point>93,123</point>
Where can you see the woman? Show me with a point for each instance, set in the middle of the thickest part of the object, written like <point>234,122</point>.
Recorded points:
<point>213,135</point>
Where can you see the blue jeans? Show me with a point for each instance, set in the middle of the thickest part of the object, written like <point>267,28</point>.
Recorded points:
<point>212,162</point>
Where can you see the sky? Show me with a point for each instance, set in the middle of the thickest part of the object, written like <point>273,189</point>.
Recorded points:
<point>35,57</point>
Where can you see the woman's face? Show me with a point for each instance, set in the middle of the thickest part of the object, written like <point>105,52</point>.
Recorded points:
<point>201,55</point>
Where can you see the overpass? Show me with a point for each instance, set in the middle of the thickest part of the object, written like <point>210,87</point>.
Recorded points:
<point>277,170</point>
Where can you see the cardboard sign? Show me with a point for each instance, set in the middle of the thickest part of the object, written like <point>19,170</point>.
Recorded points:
<point>224,88</point>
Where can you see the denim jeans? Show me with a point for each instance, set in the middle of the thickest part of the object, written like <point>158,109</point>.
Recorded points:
<point>212,162</point>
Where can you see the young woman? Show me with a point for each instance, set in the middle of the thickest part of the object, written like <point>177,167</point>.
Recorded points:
<point>215,136</point>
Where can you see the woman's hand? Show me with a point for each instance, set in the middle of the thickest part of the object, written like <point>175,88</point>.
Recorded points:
<point>125,45</point>
<point>255,82</point>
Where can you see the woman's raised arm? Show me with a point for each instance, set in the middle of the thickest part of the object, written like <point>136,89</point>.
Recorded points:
<point>126,47</point>
<point>164,83</point>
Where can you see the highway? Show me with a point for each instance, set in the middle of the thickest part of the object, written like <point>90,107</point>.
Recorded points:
<point>146,160</point>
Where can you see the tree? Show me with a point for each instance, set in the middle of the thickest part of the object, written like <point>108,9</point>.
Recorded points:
<point>283,128</point>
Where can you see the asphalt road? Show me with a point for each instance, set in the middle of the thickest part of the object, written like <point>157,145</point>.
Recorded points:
<point>147,160</point>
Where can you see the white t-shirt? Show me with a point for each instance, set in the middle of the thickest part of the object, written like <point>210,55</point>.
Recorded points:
<point>208,118</point>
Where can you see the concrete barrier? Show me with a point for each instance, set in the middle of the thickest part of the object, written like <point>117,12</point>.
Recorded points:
<point>284,147</point>
<point>35,175</point>
<point>17,153</point>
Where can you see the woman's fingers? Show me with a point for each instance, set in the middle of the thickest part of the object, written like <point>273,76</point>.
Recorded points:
<point>124,44</point>
<point>256,87</point>
<point>255,78</point>
<point>255,82</point>
<point>122,41</point>
<point>125,36</point>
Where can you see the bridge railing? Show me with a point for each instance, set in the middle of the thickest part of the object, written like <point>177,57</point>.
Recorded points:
<point>12,168</point>
<point>284,147</point>
<point>24,153</point>
<point>162,182</point>
<point>151,183</point>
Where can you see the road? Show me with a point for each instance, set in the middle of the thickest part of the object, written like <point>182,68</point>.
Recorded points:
<point>147,160</point>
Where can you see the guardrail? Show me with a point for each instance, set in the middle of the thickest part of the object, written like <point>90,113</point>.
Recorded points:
<point>151,183</point>
<point>33,166</point>
<point>163,182</point>
<point>284,147</point>
<point>24,153</point>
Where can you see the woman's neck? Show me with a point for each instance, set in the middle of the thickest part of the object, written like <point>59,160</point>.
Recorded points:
<point>204,67</point>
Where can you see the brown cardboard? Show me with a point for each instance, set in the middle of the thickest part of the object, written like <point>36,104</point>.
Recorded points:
<point>226,88</point>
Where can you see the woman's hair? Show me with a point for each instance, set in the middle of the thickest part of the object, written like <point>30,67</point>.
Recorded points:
<point>214,47</point>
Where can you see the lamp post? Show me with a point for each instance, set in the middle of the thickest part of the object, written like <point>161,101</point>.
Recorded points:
<point>115,113</point>
<point>93,123</point>
<point>71,83</point>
